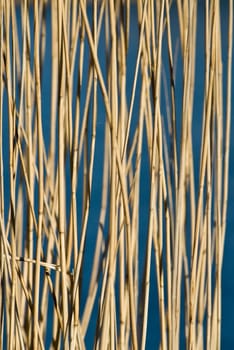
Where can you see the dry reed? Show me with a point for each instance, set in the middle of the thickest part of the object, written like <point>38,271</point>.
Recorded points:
<point>136,150</point>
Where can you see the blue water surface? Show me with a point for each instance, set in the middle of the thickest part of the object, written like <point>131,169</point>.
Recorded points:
<point>228,262</point>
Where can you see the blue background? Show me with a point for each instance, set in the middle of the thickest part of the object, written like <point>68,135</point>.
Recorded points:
<point>228,261</point>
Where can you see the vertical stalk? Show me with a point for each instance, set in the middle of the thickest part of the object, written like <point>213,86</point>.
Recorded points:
<point>40,174</point>
<point>61,168</point>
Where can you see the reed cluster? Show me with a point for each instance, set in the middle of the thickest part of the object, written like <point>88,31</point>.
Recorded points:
<point>79,174</point>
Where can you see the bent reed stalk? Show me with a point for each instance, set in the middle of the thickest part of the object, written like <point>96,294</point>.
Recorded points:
<point>113,148</point>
